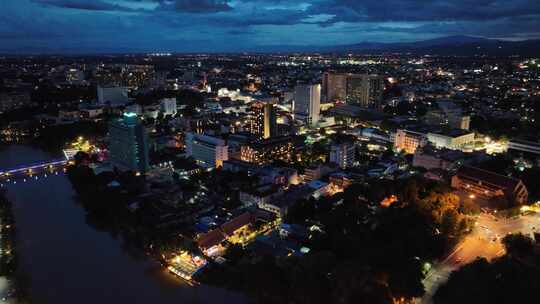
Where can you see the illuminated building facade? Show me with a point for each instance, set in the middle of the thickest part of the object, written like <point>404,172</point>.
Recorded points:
<point>307,103</point>
<point>209,152</point>
<point>343,155</point>
<point>128,144</point>
<point>266,151</point>
<point>264,120</point>
<point>408,141</point>
<point>362,89</point>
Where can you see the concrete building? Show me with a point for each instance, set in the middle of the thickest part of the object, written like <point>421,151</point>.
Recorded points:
<point>112,96</point>
<point>343,154</point>
<point>365,90</point>
<point>408,141</point>
<point>208,152</point>
<point>452,139</point>
<point>266,151</point>
<point>128,144</point>
<point>263,123</point>
<point>307,103</point>
<point>448,114</point>
<point>334,86</point>
<point>362,89</point>
<point>437,159</point>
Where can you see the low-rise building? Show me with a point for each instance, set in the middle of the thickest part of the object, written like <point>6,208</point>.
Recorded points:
<point>208,151</point>
<point>452,139</point>
<point>260,195</point>
<point>487,184</point>
<point>408,141</point>
<point>266,151</point>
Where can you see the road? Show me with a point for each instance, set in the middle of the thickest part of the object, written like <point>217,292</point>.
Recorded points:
<point>483,241</point>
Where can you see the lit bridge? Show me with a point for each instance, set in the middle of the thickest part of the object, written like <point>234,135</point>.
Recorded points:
<point>25,168</point>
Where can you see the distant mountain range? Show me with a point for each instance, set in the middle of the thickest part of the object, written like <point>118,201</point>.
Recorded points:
<point>446,46</point>
<point>451,45</point>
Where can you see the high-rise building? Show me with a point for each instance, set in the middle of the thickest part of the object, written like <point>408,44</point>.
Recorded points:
<point>362,89</point>
<point>270,120</point>
<point>334,86</point>
<point>113,96</point>
<point>168,106</point>
<point>208,151</point>
<point>128,143</point>
<point>263,122</point>
<point>343,154</point>
<point>307,103</point>
<point>365,90</point>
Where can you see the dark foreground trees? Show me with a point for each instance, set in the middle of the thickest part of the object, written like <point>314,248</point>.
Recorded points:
<point>513,278</point>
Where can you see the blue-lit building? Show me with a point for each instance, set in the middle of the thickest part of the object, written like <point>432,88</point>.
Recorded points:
<point>128,144</point>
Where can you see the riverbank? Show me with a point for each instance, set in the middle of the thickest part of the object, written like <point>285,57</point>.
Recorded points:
<point>70,253</point>
<point>11,289</point>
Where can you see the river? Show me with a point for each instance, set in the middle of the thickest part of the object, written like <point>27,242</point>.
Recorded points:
<point>65,260</point>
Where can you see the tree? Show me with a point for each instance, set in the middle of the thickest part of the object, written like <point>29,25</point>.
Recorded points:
<point>517,244</point>
<point>449,222</point>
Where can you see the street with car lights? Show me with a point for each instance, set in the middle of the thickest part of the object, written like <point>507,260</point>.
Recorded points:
<point>484,241</point>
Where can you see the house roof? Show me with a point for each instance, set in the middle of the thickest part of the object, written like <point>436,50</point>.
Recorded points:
<point>238,222</point>
<point>210,239</point>
<point>493,178</point>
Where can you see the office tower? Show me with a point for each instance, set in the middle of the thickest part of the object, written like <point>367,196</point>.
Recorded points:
<point>208,151</point>
<point>365,90</point>
<point>343,154</point>
<point>362,89</point>
<point>307,103</point>
<point>113,96</point>
<point>270,120</point>
<point>168,106</point>
<point>128,143</point>
<point>263,123</point>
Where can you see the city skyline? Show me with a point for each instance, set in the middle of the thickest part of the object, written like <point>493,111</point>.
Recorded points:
<point>76,26</point>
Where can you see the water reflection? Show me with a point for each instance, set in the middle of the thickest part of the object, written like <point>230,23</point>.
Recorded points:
<point>67,260</point>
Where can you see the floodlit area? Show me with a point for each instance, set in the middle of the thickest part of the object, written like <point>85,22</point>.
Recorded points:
<point>186,265</point>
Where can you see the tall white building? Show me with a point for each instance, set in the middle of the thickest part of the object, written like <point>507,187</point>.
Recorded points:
<point>208,151</point>
<point>307,102</point>
<point>168,106</point>
<point>343,155</point>
<point>113,96</point>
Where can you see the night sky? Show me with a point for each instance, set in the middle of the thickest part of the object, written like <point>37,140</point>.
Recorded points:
<point>236,25</point>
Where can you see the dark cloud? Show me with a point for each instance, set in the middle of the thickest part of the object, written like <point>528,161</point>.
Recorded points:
<point>91,5</point>
<point>158,24</point>
<point>197,6</point>
<point>425,10</point>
